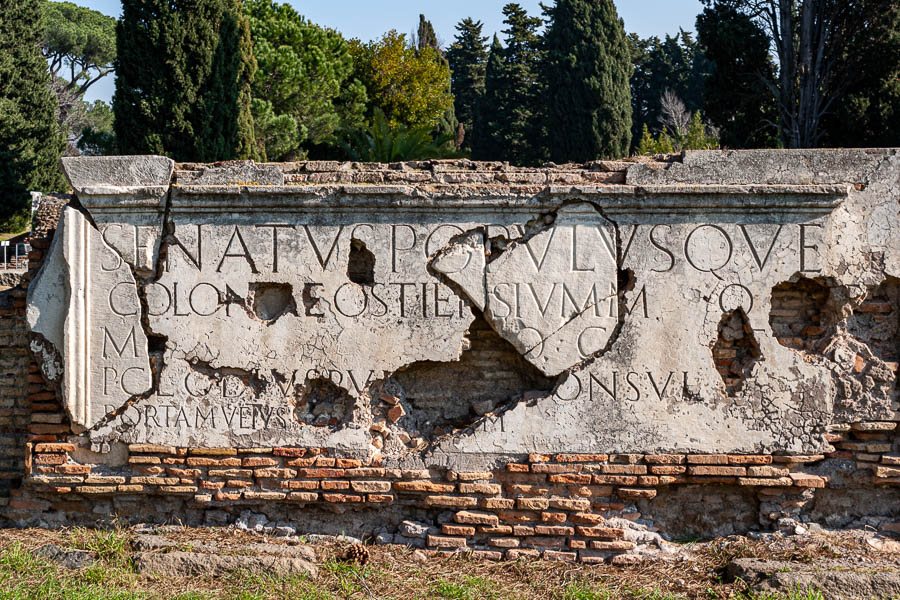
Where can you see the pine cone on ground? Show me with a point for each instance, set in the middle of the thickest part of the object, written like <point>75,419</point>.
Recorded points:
<point>357,553</point>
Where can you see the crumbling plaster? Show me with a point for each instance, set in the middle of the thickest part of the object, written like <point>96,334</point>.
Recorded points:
<point>615,290</point>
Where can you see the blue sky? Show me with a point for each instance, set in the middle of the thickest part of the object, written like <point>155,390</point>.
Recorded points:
<point>368,19</point>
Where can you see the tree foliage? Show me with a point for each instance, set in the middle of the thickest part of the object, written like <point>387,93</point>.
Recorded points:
<point>448,125</point>
<point>183,75</point>
<point>468,57</point>
<point>822,49</point>
<point>586,75</point>
<point>509,113</point>
<point>410,86</point>
<point>80,47</point>
<point>383,142</point>
<point>303,69</point>
<point>737,98</point>
<point>868,114</point>
<point>30,144</point>
<point>96,132</point>
<point>674,63</point>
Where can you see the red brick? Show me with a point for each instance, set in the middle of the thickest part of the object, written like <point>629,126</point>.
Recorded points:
<point>554,530</point>
<point>336,485</point>
<point>492,489</point>
<point>348,463</point>
<point>468,517</point>
<point>259,461</point>
<point>532,503</point>
<point>547,468</point>
<point>581,478</point>
<point>718,471</point>
<point>436,541</point>
<point>553,555</point>
<point>603,532</point>
<point>504,542</point>
<point>303,496</point>
<point>665,459</point>
<point>213,451</point>
<point>498,530</point>
<point>523,530</point>
<point>379,498</point>
<point>474,476</point>
<point>517,468</point>
<point>571,503</point>
<point>300,462</point>
<point>210,462</point>
<point>292,452</point>
<point>707,459</point>
<point>581,457</point>
<point>615,479</point>
<point>623,469</point>
<point>49,459</point>
<point>303,485</point>
<point>464,530</point>
<point>636,494</point>
<point>749,459</point>
<point>538,458</point>
<point>668,470</point>
<point>553,517</point>
<point>498,503</point>
<point>367,472</point>
<point>341,498</point>
<point>72,469</point>
<point>427,487</point>
<point>586,518</point>
<point>316,473</point>
<point>451,501</point>
<point>227,496</point>
<point>620,546</point>
<point>60,448</point>
<point>371,486</point>
<point>518,516</point>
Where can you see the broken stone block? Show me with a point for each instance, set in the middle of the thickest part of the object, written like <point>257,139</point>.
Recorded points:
<point>84,303</point>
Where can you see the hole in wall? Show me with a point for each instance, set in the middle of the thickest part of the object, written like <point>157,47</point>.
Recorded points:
<point>441,397</point>
<point>735,350</point>
<point>156,344</point>
<point>361,266</point>
<point>323,404</point>
<point>272,300</point>
<point>798,314</point>
<point>876,323</point>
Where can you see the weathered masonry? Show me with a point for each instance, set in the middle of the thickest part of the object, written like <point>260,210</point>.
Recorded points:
<point>461,355</point>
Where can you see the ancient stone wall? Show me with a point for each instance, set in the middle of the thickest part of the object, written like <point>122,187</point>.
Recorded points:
<point>560,361</point>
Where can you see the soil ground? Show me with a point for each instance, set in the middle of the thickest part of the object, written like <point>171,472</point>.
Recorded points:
<point>697,570</point>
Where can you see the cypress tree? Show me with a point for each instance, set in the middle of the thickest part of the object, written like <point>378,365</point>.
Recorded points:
<point>427,38</point>
<point>486,144</point>
<point>586,75</point>
<point>30,143</point>
<point>512,93</point>
<point>183,74</point>
<point>468,57</point>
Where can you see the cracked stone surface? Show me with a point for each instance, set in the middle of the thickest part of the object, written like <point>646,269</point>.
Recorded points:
<point>552,295</point>
<point>84,304</point>
<point>275,314</point>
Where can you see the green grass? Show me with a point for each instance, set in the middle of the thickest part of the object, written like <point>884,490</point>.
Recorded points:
<point>469,588</point>
<point>24,576</point>
<point>581,590</point>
